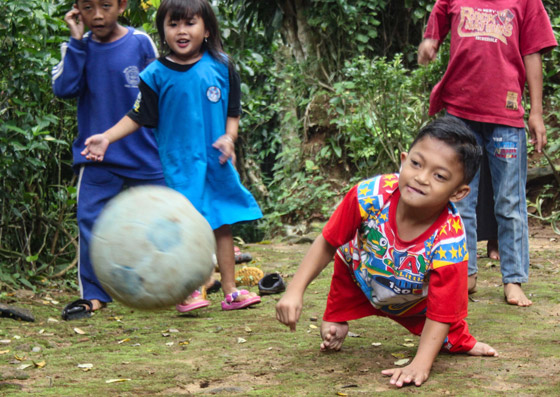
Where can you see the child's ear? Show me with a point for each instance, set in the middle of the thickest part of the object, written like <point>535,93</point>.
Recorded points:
<point>404,155</point>
<point>460,193</point>
<point>122,6</point>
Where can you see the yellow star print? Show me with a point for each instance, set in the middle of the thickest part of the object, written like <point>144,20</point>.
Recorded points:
<point>390,182</point>
<point>442,253</point>
<point>364,191</point>
<point>456,225</point>
<point>453,252</point>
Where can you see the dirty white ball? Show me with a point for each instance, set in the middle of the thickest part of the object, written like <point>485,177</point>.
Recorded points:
<point>151,248</point>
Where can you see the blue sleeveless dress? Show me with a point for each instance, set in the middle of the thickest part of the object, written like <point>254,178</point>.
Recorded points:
<point>192,116</point>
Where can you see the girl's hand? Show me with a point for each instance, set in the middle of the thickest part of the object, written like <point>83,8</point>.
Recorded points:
<point>412,373</point>
<point>96,146</point>
<point>226,146</point>
<point>73,19</point>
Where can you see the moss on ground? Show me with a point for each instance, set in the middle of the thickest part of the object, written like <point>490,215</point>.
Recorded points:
<point>248,352</point>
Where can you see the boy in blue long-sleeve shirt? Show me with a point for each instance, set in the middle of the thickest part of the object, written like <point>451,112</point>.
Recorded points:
<point>101,69</point>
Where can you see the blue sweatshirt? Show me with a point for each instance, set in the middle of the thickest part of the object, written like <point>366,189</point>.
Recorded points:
<point>104,77</point>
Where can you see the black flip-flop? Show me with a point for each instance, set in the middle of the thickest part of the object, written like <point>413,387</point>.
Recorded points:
<point>271,284</point>
<point>215,287</point>
<point>16,313</point>
<point>78,309</point>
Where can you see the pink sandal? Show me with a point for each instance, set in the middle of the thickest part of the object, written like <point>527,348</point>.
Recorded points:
<point>230,303</point>
<point>197,303</point>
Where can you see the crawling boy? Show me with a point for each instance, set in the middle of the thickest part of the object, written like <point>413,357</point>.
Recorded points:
<point>400,252</point>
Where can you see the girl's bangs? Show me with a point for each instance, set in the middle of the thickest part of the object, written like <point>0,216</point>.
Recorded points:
<point>179,12</point>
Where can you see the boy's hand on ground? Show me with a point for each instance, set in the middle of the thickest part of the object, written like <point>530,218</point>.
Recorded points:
<point>288,310</point>
<point>226,146</point>
<point>427,51</point>
<point>410,374</point>
<point>96,146</point>
<point>73,19</point>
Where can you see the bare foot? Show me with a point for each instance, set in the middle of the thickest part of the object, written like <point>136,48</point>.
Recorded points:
<point>97,304</point>
<point>333,335</point>
<point>492,250</point>
<point>515,295</point>
<point>482,349</point>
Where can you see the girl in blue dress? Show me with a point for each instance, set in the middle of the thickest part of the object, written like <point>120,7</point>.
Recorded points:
<point>191,99</point>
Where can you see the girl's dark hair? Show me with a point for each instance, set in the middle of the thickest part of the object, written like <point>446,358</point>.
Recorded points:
<point>456,134</point>
<point>187,9</point>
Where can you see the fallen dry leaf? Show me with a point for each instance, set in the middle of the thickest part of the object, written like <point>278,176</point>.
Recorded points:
<point>376,343</point>
<point>39,364</point>
<point>85,366</point>
<point>402,361</point>
<point>241,340</point>
<point>398,355</point>
<point>124,340</point>
<point>79,331</point>
<point>24,366</point>
<point>117,380</point>
<point>4,351</point>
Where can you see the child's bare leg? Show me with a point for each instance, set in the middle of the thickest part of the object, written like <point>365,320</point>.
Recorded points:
<point>226,261</point>
<point>333,335</point>
<point>482,349</point>
<point>515,295</point>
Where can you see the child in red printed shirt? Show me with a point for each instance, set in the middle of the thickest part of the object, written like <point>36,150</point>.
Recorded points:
<point>400,252</point>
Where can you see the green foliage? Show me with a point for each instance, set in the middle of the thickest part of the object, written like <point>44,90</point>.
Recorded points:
<point>340,109</point>
<point>377,113</point>
<point>35,193</point>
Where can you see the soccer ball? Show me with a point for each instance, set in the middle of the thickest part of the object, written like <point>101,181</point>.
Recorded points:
<point>150,247</point>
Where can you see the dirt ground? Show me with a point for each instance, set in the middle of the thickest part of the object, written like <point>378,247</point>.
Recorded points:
<point>126,352</point>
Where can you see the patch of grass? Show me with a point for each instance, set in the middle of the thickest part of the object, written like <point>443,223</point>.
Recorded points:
<point>212,352</point>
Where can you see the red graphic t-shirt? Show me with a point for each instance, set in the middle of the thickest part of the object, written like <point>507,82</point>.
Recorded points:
<point>399,276</point>
<point>485,77</point>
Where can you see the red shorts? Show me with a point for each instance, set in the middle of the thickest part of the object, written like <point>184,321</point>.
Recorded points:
<point>347,302</point>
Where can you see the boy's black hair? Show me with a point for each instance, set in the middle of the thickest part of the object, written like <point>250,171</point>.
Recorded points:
<point>186,9</point>
<point>458,136</point>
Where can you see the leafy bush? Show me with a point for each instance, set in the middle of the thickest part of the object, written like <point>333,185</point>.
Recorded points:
<point>37,234</point>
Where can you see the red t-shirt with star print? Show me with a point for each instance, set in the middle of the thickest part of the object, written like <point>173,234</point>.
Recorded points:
<point>401,278</point>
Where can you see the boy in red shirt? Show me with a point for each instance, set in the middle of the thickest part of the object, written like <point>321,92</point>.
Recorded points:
<point>400,252</point>
<point>495,47</point>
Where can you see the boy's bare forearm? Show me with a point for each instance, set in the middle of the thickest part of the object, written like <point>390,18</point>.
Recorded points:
<point>317,258</point>
<point>418,371</point>
<point>533,69</point>
<point>537,129</point>
<point>431,341</point>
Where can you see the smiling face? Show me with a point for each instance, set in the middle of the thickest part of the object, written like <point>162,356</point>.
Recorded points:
<point>101,16</point>
<point>184,38</point>
<point>431,175</point>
